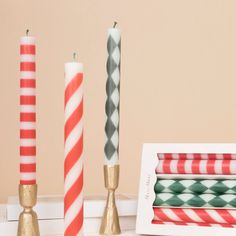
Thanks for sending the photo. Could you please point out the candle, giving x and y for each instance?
(195, 215)
(73, 162)
(113, 97)
(27, 111)
(210, 167)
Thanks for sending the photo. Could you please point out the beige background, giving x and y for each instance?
(178, 80)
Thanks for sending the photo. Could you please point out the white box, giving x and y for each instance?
(148, 179)
(52, 207)
(50, 214)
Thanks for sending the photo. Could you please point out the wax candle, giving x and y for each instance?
(113, 97)
(73, 162)
(195, 215)
(27, 111)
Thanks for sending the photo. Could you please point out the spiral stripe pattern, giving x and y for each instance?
(73, 163)
(27, 111)
(195, 215)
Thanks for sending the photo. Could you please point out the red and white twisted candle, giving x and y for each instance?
(195, 215)
(73, 162)
(27, 111)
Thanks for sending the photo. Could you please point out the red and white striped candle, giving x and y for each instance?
(73, 162)
(27, 111)
(196, 156)
(195, 215)
(213, 167)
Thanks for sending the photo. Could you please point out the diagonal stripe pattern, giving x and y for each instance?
(73, 162)
(194, 215)
(113, 98)
(197, 186)
(27, 111)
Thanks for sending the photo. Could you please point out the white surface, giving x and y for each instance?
(56, 226)
(51, 207)
(147, 195)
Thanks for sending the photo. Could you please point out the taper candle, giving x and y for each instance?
(213, 167)
(113, 97)
(195, 215)
(73, 163)
(27, 111)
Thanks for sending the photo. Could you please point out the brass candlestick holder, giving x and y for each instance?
(28, 221)
(110, 222)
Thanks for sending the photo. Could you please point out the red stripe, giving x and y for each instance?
(28, 182)
(227, 216)
(181, 166)
(27, 116)
(27, 66)
(197, 156)
(27, 83)
(210, 166)
(182, 156)
(73, 86)
(28, 167)
(73, 192)
(166, 166)
(27, 100)
(27, 151)
(168, 156)
(227, 156)
(73, 156)
(226, 167)
(205, 216)
(76, 225)
(211, 156)
(196, 166)
(73, 120)
(181, 214)
(27, 134)
(27, 49)
(161, 215)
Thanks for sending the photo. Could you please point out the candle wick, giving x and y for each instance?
(115, 23)
(27, 32)
(75, 56)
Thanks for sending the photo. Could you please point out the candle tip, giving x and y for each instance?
(75, 56)
(27, 32)
(115, 23)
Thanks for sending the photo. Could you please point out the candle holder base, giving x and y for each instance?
(28, 221)
(110, 222)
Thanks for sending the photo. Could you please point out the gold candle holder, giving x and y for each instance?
(110, 222)
(28, 221)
